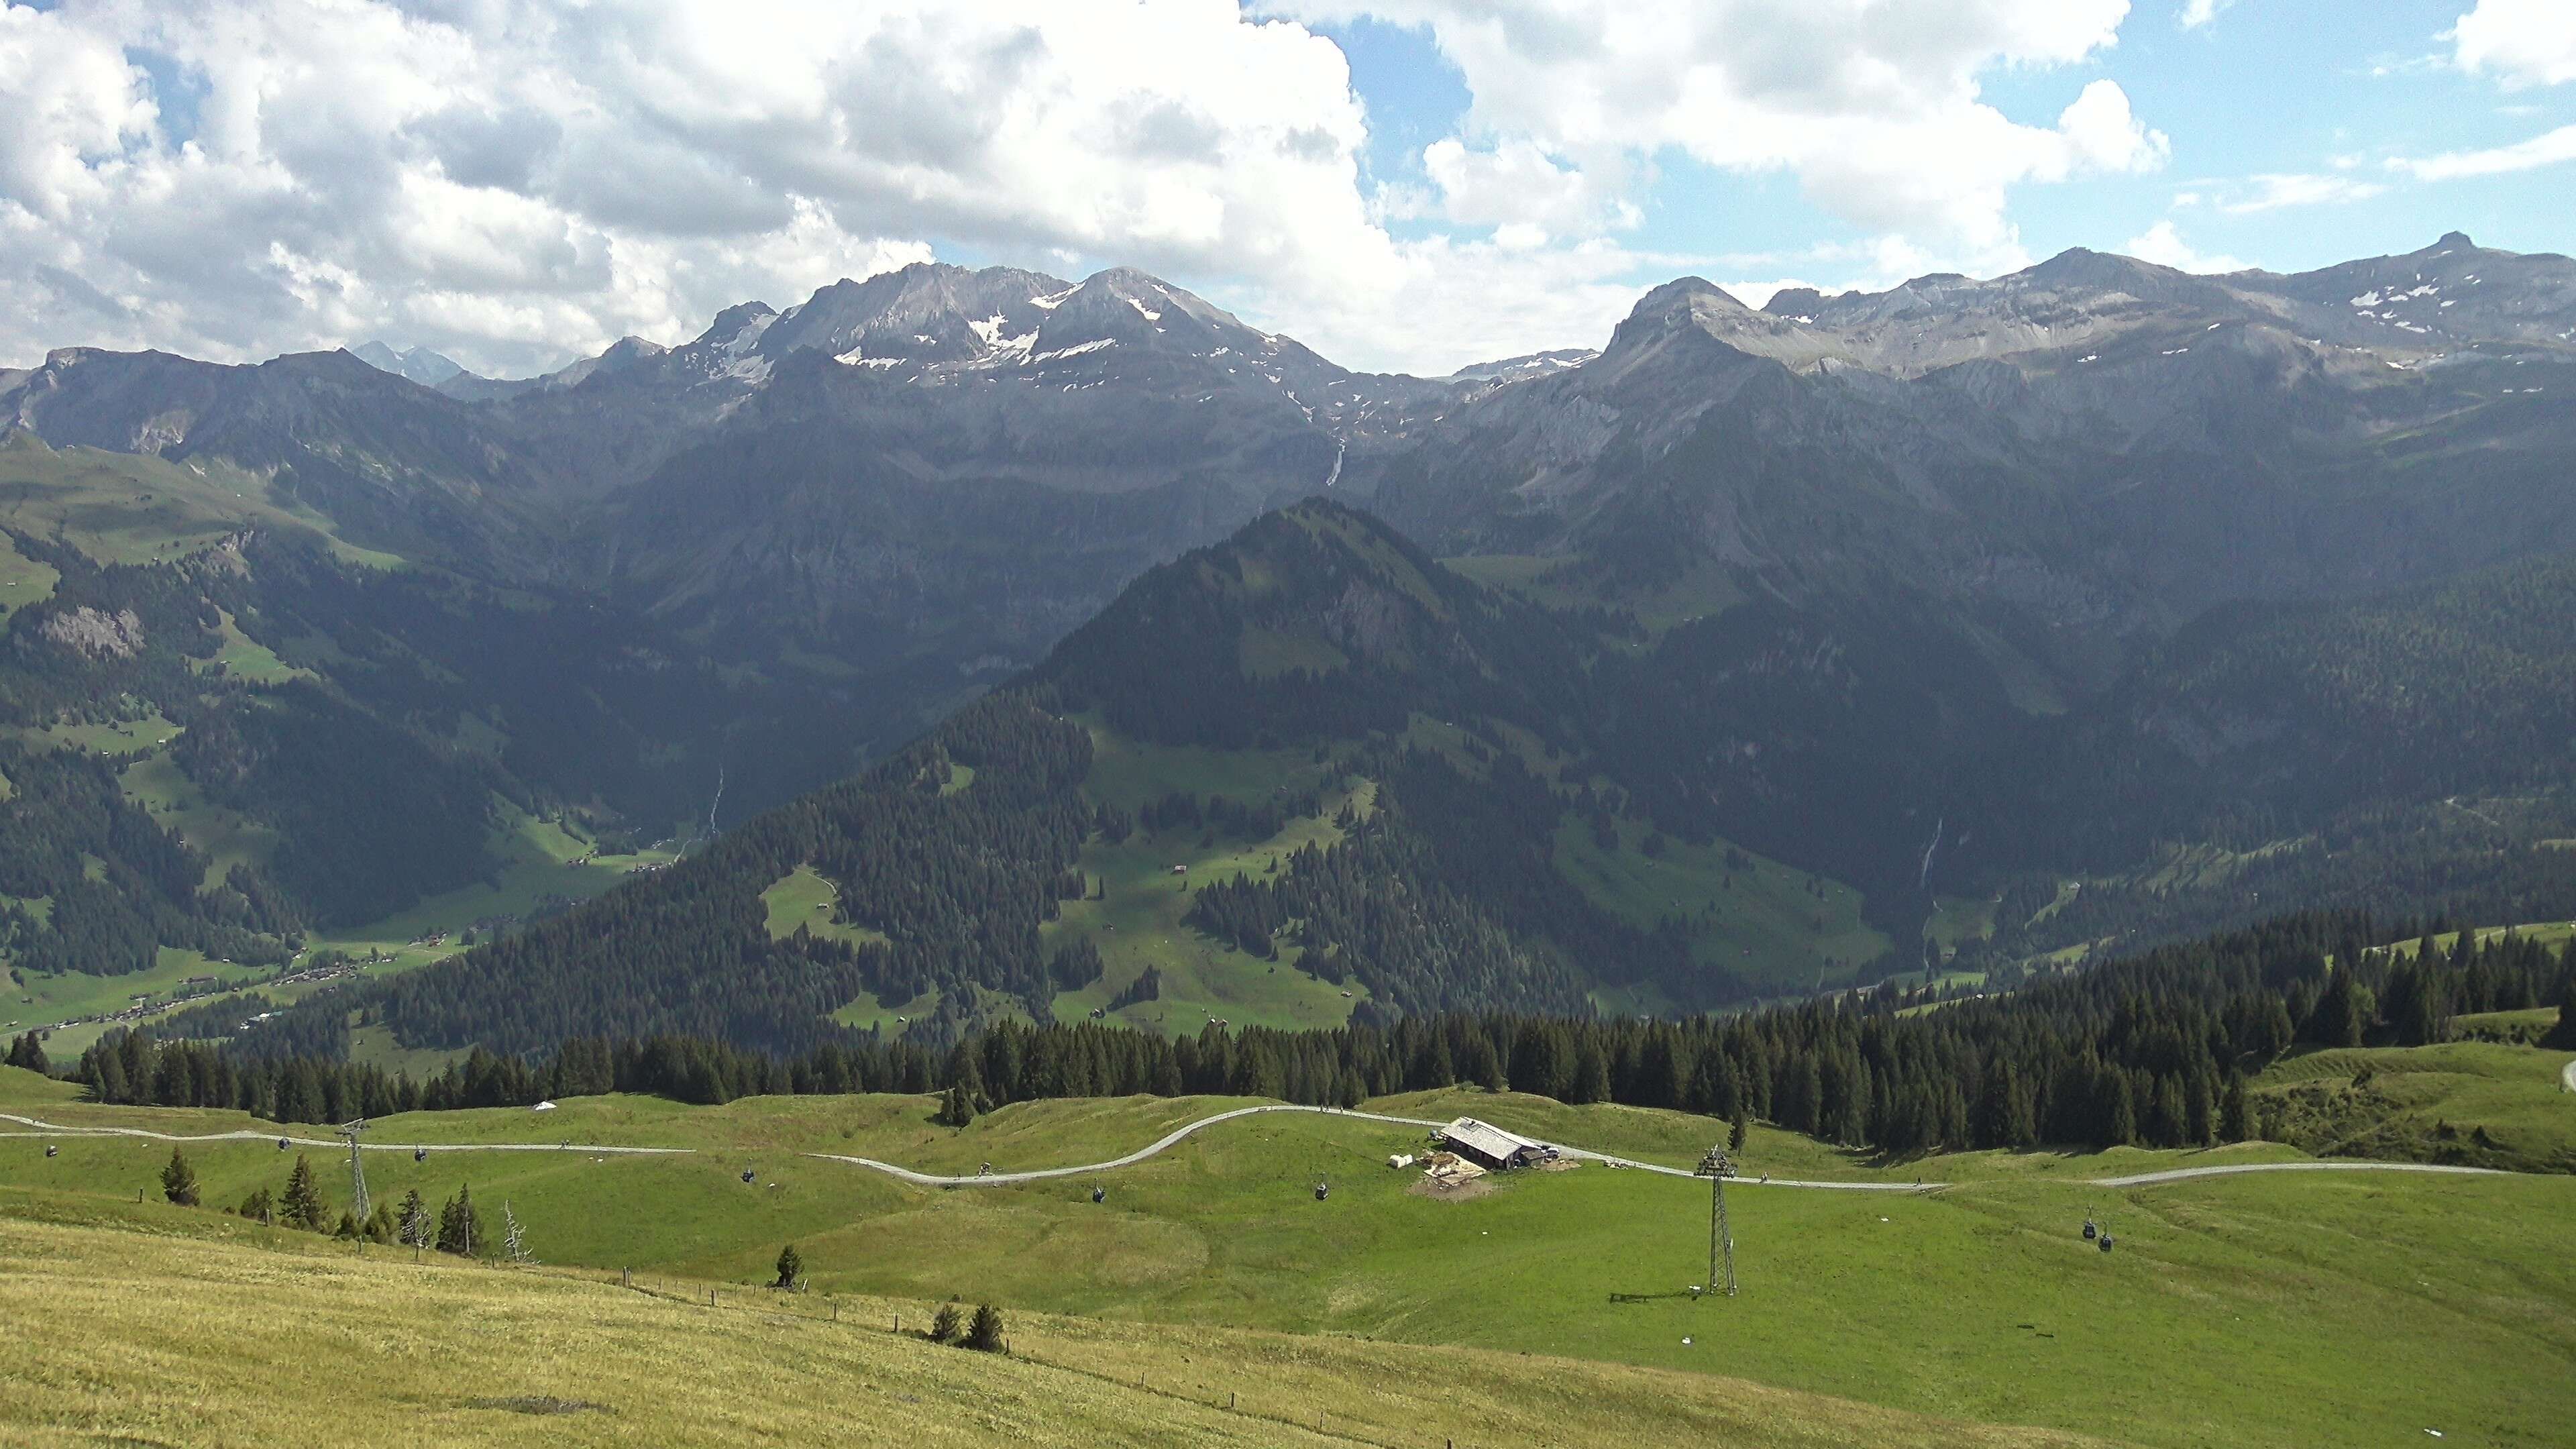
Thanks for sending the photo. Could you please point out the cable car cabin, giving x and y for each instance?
(281, 1144)
(51, 1150)
(1492, 1148)
(748, 1174)
(2089, 1230)
(1323, 1190)
(420, 1154)
(1099, 1194)
(2106, 1242)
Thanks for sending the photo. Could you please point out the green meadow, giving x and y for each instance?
(134, 508)
(247, 1333)
(2243, 1309)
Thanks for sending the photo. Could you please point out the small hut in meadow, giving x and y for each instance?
(1491, 1147)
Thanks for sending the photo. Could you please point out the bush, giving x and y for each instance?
(985, 1334)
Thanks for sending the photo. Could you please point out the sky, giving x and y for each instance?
(1404, 185)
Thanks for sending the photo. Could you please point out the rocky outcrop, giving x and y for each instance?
(94, 633)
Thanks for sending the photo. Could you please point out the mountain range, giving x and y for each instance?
(1972, 620)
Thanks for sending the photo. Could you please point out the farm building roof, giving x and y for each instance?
(1486, 1142)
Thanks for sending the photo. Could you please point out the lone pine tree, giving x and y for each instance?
(414, 1231)
(302, 1206)
(179, 1180)
(791, 1266)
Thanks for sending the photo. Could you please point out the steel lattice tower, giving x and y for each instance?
(358, 1205)
(1721, 1237)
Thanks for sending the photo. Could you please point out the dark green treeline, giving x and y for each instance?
(2153, 1050)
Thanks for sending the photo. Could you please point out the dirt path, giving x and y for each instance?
(1179, 1134)
(48, 1129)
(1174, 1137)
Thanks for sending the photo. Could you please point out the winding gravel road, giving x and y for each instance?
(1169, 1139)
(48, 1129)
(1178, 1134)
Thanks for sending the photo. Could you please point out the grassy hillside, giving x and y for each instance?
(248, 1335)
(2461, 1101)
(387, 751)
(537, 865)
(2236, 1310)
(133, 508)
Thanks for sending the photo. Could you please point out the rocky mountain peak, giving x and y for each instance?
(733, 321)
(421, 365)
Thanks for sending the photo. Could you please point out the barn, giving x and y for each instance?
(1491, 1147)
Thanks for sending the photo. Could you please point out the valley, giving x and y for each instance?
(1794, 736)
(1425, 726)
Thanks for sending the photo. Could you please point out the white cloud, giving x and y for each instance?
(2275, 190)
(2519, 42)
(506, 179)
(2164, 246)
(1876, 106)
(511, 180)
(2197, 13)
(2550, 148)
(1518, 184)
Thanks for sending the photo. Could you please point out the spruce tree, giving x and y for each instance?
(2236, 1114)
(2562, 1037)
(1591, 1076)
(985, 1334)
(302, 1205)
(2120, 1121)
(791, 1266)
(1735, 1133)
(460, 1226)
(414, 1229)
(29, 1052)
(946, 1324)
(179, 1180)
(2021, 1115)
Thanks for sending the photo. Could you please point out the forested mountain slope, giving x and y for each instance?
(1311, 774)
(1778, 649)
(226, 728)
